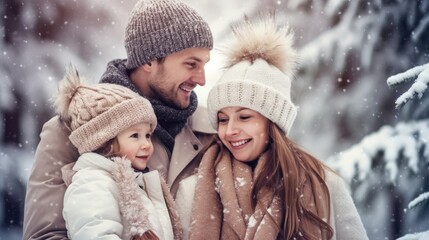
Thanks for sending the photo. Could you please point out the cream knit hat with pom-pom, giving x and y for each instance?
(99, 112)
(261, 65)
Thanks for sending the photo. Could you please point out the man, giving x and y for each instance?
(167, 45)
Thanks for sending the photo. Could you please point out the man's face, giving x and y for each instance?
(173, 80)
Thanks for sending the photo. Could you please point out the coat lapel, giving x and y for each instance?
(185, 149)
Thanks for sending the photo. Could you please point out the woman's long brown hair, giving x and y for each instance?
(286, 175)
(291, 168)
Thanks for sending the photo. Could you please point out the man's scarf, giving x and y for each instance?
(170, 120)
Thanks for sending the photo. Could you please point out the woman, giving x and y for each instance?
(253, 182)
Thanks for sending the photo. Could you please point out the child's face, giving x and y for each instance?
(135, 143)
(244, 132)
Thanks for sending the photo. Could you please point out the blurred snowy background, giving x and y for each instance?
(347, 110)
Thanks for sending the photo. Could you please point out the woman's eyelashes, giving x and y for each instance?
(222, 120)
(245, 117)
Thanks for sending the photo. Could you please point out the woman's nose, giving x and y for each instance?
(232, 129)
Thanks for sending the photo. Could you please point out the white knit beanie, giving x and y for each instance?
(99, 112)
(261, 65)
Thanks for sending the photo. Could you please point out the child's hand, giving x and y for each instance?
(149, 235)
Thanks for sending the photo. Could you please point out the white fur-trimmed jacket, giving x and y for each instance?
(101, 188)
(45, 186)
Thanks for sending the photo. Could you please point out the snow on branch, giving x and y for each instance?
(421, 235)
(334, 6)
(404, 140)
(421, 76)
(419, 200)
(415, 236)
(423, 25)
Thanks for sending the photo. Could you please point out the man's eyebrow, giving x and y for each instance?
(197, 59)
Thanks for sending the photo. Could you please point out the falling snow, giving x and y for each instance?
(347, 113)
(239, 182)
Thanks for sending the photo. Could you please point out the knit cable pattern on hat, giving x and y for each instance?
(88, 102)
(97, 113)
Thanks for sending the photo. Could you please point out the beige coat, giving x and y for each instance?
(344, 218)
(45, 188)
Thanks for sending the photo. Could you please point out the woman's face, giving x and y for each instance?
(244, 132)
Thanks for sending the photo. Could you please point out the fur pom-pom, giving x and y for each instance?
(262, 39)
(66, 90)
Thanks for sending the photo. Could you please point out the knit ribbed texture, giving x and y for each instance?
(260, 66)
(99, 112)
(108, 122)
(257, 86)
(157, 28)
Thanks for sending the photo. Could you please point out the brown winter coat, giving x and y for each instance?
(45, 187)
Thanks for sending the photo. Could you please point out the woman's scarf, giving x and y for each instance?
(222, 204)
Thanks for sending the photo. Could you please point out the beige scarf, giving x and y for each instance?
(222, 204)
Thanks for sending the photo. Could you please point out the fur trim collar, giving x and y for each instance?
(133, 212)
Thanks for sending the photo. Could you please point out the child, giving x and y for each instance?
(111, 194)
(253, 182)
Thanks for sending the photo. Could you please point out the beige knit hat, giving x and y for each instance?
(99, 112)
(157, 28)
(261, 65)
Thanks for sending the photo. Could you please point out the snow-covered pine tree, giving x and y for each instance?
(348, 49)
(341, 89)
(389, 169)
(420, 75)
